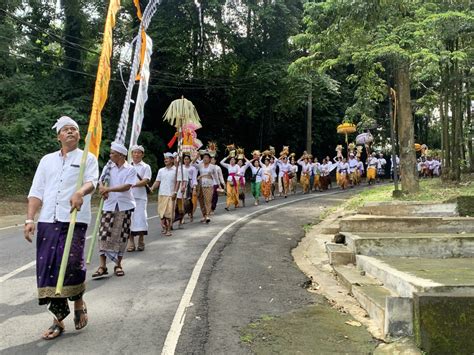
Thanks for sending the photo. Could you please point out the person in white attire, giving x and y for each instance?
(139, 225)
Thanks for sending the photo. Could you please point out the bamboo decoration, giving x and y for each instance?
(181, 112)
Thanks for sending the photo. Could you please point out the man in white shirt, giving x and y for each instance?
(54, 192)
(115, 186)
(372, 162)
(167, 183)
(353, 172)
(381, 162)
(139, 225)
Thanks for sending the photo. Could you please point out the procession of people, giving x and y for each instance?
(186, 180)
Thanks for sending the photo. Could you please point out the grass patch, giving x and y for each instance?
(307, 227)
(432, 190)
(247, 338)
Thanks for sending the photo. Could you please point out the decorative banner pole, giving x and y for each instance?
(139, 57)
(181, 112)
(94, 134)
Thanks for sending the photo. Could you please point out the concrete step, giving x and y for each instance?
(388, 224)
(330, 229)
(339, 254)
(428, 245)
(409, 208)
(349, 276)
(407, 275)
(372, 299)
(391, 313)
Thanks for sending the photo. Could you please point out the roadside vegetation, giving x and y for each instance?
(431, 190)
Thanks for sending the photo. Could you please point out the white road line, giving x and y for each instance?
(33, 263)
(17, 271)
(15, 226)
(21, 225)
(174, 333)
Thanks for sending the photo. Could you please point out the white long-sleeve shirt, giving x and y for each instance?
(283, 167)
(207, 175)
(233, 170)
(305, 167)
(55, 181)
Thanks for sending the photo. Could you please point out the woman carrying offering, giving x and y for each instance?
(232, 182)
(256, 179)
(206, 180)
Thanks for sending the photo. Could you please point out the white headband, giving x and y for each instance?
(64, 121)
(119, 148)
(138, 147)
(168, 155)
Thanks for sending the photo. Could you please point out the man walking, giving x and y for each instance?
(167, 184)
(139, 225)
(54, 192)
(117, 211)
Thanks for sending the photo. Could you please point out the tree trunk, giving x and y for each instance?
(72, 32)
(406, 131)
(469, 124)
(457, 121)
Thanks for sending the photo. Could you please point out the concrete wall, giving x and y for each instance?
(444, 323)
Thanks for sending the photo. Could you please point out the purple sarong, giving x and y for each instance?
(50, 241)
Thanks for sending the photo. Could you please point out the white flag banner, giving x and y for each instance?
(142, 95)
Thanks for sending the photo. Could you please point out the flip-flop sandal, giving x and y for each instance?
(141, 247)
(77, 317)
(101, 272)
(168, 234)
(118, 271)
(131, 249)
(55, 330)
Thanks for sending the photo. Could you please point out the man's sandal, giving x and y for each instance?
(101, 271)
(131, 248)
(141, 247)
(54, 331)
(77, 317)
(118, 271)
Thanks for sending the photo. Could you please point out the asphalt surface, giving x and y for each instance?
(248, 273)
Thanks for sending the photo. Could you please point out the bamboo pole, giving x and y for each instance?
(72, 223)
(96, 230)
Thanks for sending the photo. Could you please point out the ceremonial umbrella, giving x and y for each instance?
(346, 128)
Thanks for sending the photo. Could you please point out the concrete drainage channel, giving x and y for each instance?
(410, 266)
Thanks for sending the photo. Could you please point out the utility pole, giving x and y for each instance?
(309, 122)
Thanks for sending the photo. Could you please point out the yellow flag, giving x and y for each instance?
(102, 80)
(143, 40)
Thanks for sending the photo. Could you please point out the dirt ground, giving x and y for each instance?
(315, 329)
(15, 205)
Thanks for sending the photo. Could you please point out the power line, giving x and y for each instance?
(77, 46)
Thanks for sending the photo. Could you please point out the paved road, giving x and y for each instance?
(174, 295)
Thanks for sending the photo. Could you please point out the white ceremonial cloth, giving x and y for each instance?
(139, 217)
